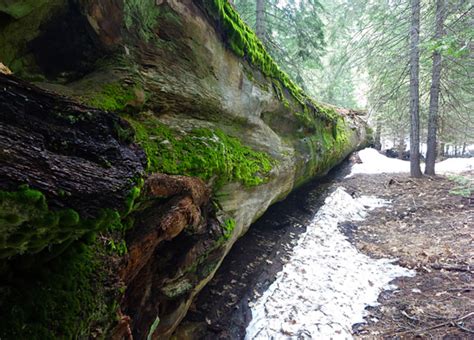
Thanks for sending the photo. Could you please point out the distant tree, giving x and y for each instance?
(291, 31)
(434, 91)
(260, 19)
(415, 170)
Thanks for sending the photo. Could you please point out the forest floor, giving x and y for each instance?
(427, 227)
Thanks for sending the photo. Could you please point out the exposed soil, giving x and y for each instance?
(430, 230)
(426, 228)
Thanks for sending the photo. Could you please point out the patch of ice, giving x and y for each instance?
(375, 163)
(324, 288)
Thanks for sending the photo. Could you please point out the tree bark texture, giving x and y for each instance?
(72, 153)
(434, 92)
(415, 170)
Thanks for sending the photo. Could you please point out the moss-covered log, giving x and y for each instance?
(129, 96)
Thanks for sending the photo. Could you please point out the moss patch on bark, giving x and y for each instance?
(67, 298)
(208, 154)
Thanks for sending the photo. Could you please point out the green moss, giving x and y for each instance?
(328, 144)
(204, 153)
(245, 43)
(112, 97)
(28, 225)
(228, 228)
(46, 296)
(65, 299)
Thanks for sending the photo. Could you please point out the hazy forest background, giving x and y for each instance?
(356, 54)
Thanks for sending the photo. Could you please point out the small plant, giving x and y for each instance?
(464, 186)
(119, 248)
(228, 228)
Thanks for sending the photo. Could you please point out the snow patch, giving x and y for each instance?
(455, 165)
(327, 284)
(375, 163)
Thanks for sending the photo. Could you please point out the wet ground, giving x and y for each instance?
(426, 227)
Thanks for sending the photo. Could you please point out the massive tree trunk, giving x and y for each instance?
(434, 92)
(153, 137)
(415, 170)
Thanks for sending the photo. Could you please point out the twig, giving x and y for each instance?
(409, 316)
(464, 328)
(453, 268)
(414, 202)
(446, 323)
(461, 289)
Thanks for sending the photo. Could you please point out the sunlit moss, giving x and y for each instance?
(111, 97)
(245, 43)
(208, 154)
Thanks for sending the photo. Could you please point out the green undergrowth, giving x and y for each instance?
(209, 154)
(66, 298)
(464, 186)
(245, 43)
(28, 225)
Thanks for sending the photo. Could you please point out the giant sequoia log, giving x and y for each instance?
(155, 133)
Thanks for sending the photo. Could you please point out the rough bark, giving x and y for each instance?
(74, 154)
(434, 92)
(415, 170)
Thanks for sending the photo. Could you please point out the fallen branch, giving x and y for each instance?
(452, 322)
(456, 268)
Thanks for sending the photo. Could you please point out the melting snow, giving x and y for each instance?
(327, 283)
(374, 163)
(324, 288)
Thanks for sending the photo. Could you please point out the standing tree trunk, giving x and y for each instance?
(401, 144)
(378, 131)
(415, 170)
(434, 92)
(260, 19)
